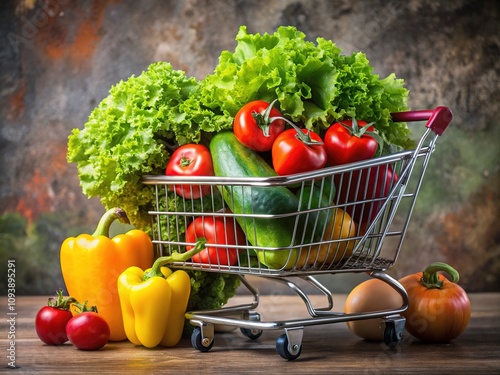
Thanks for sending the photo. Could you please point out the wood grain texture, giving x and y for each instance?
(325, 349)
(60, 58)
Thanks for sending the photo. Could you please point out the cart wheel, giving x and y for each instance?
(252, 334)
(392, 333)
(200, 343)
(282, 348)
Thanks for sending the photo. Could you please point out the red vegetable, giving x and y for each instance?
(439, 309)
(190, 160)
(87, 330)
(257, 124)
(371, 184)
(349, 141)
(51, 320)
(298, 150)
(217, 230)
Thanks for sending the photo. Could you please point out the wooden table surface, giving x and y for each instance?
(326, 349)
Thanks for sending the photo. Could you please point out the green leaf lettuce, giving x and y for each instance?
(132, 131)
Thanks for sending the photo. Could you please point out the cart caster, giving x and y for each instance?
(203, 344)
(252, 333)
(289, 345)
(393, 331)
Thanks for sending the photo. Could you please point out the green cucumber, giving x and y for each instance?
(233, 159)
(314, 195)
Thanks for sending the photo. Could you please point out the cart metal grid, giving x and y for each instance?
(370, 206)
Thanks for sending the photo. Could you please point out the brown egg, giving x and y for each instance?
(371, 295)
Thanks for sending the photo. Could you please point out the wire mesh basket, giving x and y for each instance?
(348, 218)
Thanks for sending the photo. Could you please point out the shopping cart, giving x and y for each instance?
(369, 208)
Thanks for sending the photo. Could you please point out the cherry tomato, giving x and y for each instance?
(190, 160)
(297, 152)
(50, 325)
(257, 124)
(51, 320)
(88, 331)
(217, 230)
(350, 141)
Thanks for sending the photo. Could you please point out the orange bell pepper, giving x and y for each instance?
(91, 265)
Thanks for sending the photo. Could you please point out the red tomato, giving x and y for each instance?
(217, 230)
(348, 142)
(88, 331)
(295, 152)
(371, 184)
(191, 160)
(51, 320)
(439, 309)
(50, 325)
(256, 125)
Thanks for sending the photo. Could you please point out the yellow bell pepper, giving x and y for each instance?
(154, 301)
(91, 265)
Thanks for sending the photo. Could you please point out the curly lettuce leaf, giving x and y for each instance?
(133, 130)
(314, 83)
(129, 134)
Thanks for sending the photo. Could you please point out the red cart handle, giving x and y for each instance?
(437, 119)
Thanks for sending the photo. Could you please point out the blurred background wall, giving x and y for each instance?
(58, 59)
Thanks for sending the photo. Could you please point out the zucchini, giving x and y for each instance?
(233, 159)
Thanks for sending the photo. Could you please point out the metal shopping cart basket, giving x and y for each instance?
(371, 202)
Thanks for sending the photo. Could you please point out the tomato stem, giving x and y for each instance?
(61, 302)
(264, 120)
(185, 162)
(174, 257)
(430, 276)
(358, 131)
(84, 308)
(303, 137)
(107, 219)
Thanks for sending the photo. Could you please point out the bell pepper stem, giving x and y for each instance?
(107, 219)
(174, 257)
(430, 276)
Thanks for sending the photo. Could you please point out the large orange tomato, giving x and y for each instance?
(439, 309)
(371, 295)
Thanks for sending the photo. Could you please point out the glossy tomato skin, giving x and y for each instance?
(247, 130)
(190, 160)
(216, 230)
(436, 315)
(50, 325)
(88, 331)
(343, 147)
(290, 155)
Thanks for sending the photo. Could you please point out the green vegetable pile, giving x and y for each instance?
(314, 83)
(133, 131)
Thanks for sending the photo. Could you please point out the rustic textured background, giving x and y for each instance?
(58, 59)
